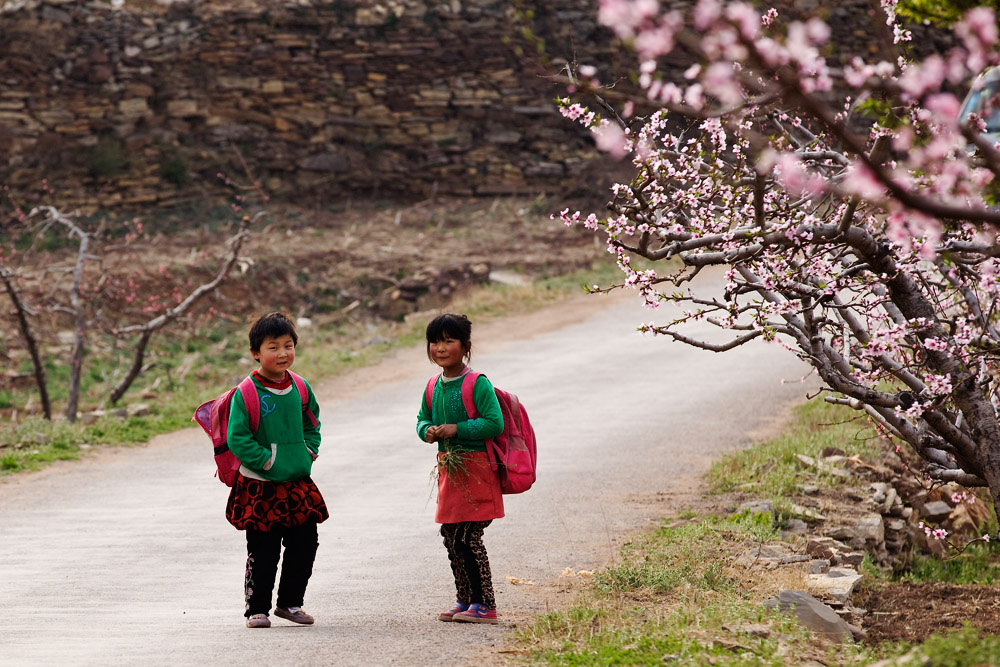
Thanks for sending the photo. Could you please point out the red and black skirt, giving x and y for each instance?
(260, 505)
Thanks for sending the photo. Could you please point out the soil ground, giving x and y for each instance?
(911, 612)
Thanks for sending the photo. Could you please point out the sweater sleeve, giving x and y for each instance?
(241, 440)
(490, 420)
(310, 433)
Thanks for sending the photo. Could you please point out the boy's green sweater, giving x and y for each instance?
(447, 408)
(279, 451)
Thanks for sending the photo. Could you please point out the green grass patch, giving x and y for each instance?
(978, 564)
(670, 601)
(771, 469)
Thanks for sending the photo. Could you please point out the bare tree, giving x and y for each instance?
(21, 312)
(147, 329)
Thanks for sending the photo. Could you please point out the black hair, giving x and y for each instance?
(450, 325)
(272, 325)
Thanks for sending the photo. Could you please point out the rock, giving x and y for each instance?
(505, 277)
(88, 418)
(332, 162)
(795, 527)
(763, 555)
(182, 108)
(867, 532)
(837, 583)
(805, 513)
(807, 461)
(936, 510)
(755, 506)
(818, 566)
(812, 614)
(138, 410)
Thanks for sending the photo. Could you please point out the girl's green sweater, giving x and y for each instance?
(447, 408)
(279, 451)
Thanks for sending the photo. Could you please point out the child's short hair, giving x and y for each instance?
(450, 325)
(272, 325)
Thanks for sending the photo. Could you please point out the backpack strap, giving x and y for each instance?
(468, 386)
(468, 400)
(251, 401)
(300, 386)
(429, 392)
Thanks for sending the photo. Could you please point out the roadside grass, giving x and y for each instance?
(672, 597)
(188, 367)
(772, 470)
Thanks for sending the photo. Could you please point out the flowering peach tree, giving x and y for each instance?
(850, 208)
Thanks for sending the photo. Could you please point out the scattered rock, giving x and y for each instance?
(138, 410)
(812, 614)
(755, 506)
(837, 584)
(937, 510)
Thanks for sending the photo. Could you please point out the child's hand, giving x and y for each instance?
(314, 455)
(445, 431)
(430, 435)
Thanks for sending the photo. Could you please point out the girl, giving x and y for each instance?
(469, 496)
(274, 499)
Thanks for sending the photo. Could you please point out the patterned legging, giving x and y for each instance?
(469, 562)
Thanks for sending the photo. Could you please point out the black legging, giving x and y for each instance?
(469, 562)
(263, 551)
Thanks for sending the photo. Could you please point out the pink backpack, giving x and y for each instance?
(513, 452)
(213, 416)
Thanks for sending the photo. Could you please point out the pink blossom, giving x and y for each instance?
(707, 12)
(746, 19)
(861, 182)
(920, 78)
(720, 83)
(610, 138)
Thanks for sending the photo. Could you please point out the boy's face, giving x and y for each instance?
(275, 357)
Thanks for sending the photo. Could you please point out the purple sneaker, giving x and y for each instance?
(476, 613)
(457, 609)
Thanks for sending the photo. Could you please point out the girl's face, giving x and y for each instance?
(275, 357)
(449, 354)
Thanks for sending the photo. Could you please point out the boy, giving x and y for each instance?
(274, 499)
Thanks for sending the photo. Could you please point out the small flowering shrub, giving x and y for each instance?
(864, 244)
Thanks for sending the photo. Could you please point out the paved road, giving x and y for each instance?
(126, 558)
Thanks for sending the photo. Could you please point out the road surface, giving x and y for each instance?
(125, 558)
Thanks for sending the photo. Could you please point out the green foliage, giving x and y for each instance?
(978, 564)
(967, 647)
(940, 12)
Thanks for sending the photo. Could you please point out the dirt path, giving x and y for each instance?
(126, 558)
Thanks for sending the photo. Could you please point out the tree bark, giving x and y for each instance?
(29, 341)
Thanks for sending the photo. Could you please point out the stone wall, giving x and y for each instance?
(322, 101)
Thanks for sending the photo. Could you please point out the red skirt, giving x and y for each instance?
(468, 489)
(261, 505)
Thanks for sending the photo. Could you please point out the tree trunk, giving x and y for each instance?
(30, 343)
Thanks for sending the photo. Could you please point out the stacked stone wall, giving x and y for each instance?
(320, 100)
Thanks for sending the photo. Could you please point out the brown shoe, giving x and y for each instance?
(258, 621)
(297, 616)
